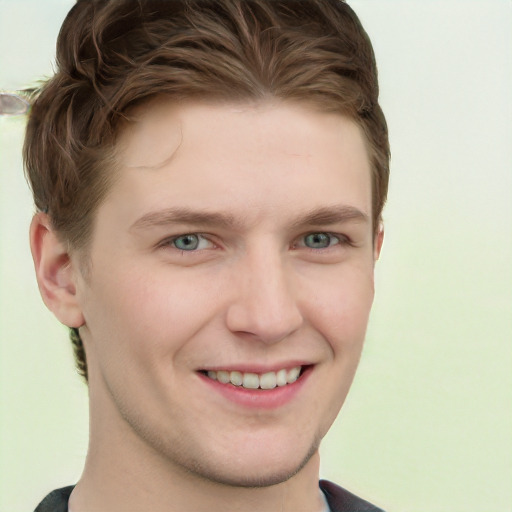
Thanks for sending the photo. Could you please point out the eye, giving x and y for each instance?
(190, 242)
(319, 240)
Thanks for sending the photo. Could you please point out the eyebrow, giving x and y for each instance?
(326, 215)
(332, 215)
(186, 216)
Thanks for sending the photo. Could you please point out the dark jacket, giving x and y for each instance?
(338, 498)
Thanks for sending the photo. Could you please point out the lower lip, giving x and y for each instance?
(259, 398)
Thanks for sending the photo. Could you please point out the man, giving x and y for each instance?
(209, 178)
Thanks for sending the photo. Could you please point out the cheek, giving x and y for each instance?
(147, 315)
(342, 307)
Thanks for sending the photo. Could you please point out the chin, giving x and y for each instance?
(263, 473)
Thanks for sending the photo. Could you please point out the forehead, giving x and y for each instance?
(268, 156)
(158, 126)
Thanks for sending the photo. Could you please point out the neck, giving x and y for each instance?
(110, 485)
(123, 474)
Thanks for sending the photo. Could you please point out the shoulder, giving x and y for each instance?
(56, 501)
(341, 500)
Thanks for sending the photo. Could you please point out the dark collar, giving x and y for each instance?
(339, 500)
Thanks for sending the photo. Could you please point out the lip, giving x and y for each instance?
(259, 398)
(258, 368)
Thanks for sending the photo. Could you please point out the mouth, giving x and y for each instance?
(250, 380)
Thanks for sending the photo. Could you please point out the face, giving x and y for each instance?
(230, 283)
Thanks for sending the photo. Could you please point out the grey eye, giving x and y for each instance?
(12, 105)
(186, 242)
(318, 240)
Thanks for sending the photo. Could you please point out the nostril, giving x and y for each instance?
(263, 322)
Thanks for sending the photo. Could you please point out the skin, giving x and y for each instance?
(254, 294)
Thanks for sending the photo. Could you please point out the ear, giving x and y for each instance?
(379, 239)
(55, 272)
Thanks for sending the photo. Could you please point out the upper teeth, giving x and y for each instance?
(249, 380)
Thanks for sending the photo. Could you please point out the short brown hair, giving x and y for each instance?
(115, 54)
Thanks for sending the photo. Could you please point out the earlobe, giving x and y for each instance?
(54, 272)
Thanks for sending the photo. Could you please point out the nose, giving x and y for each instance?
(265, 305)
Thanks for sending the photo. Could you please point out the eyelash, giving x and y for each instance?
(171, 241)
(342, 240)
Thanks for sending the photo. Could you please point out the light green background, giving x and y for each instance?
(427, 426)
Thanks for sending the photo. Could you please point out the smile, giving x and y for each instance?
(248, 380)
